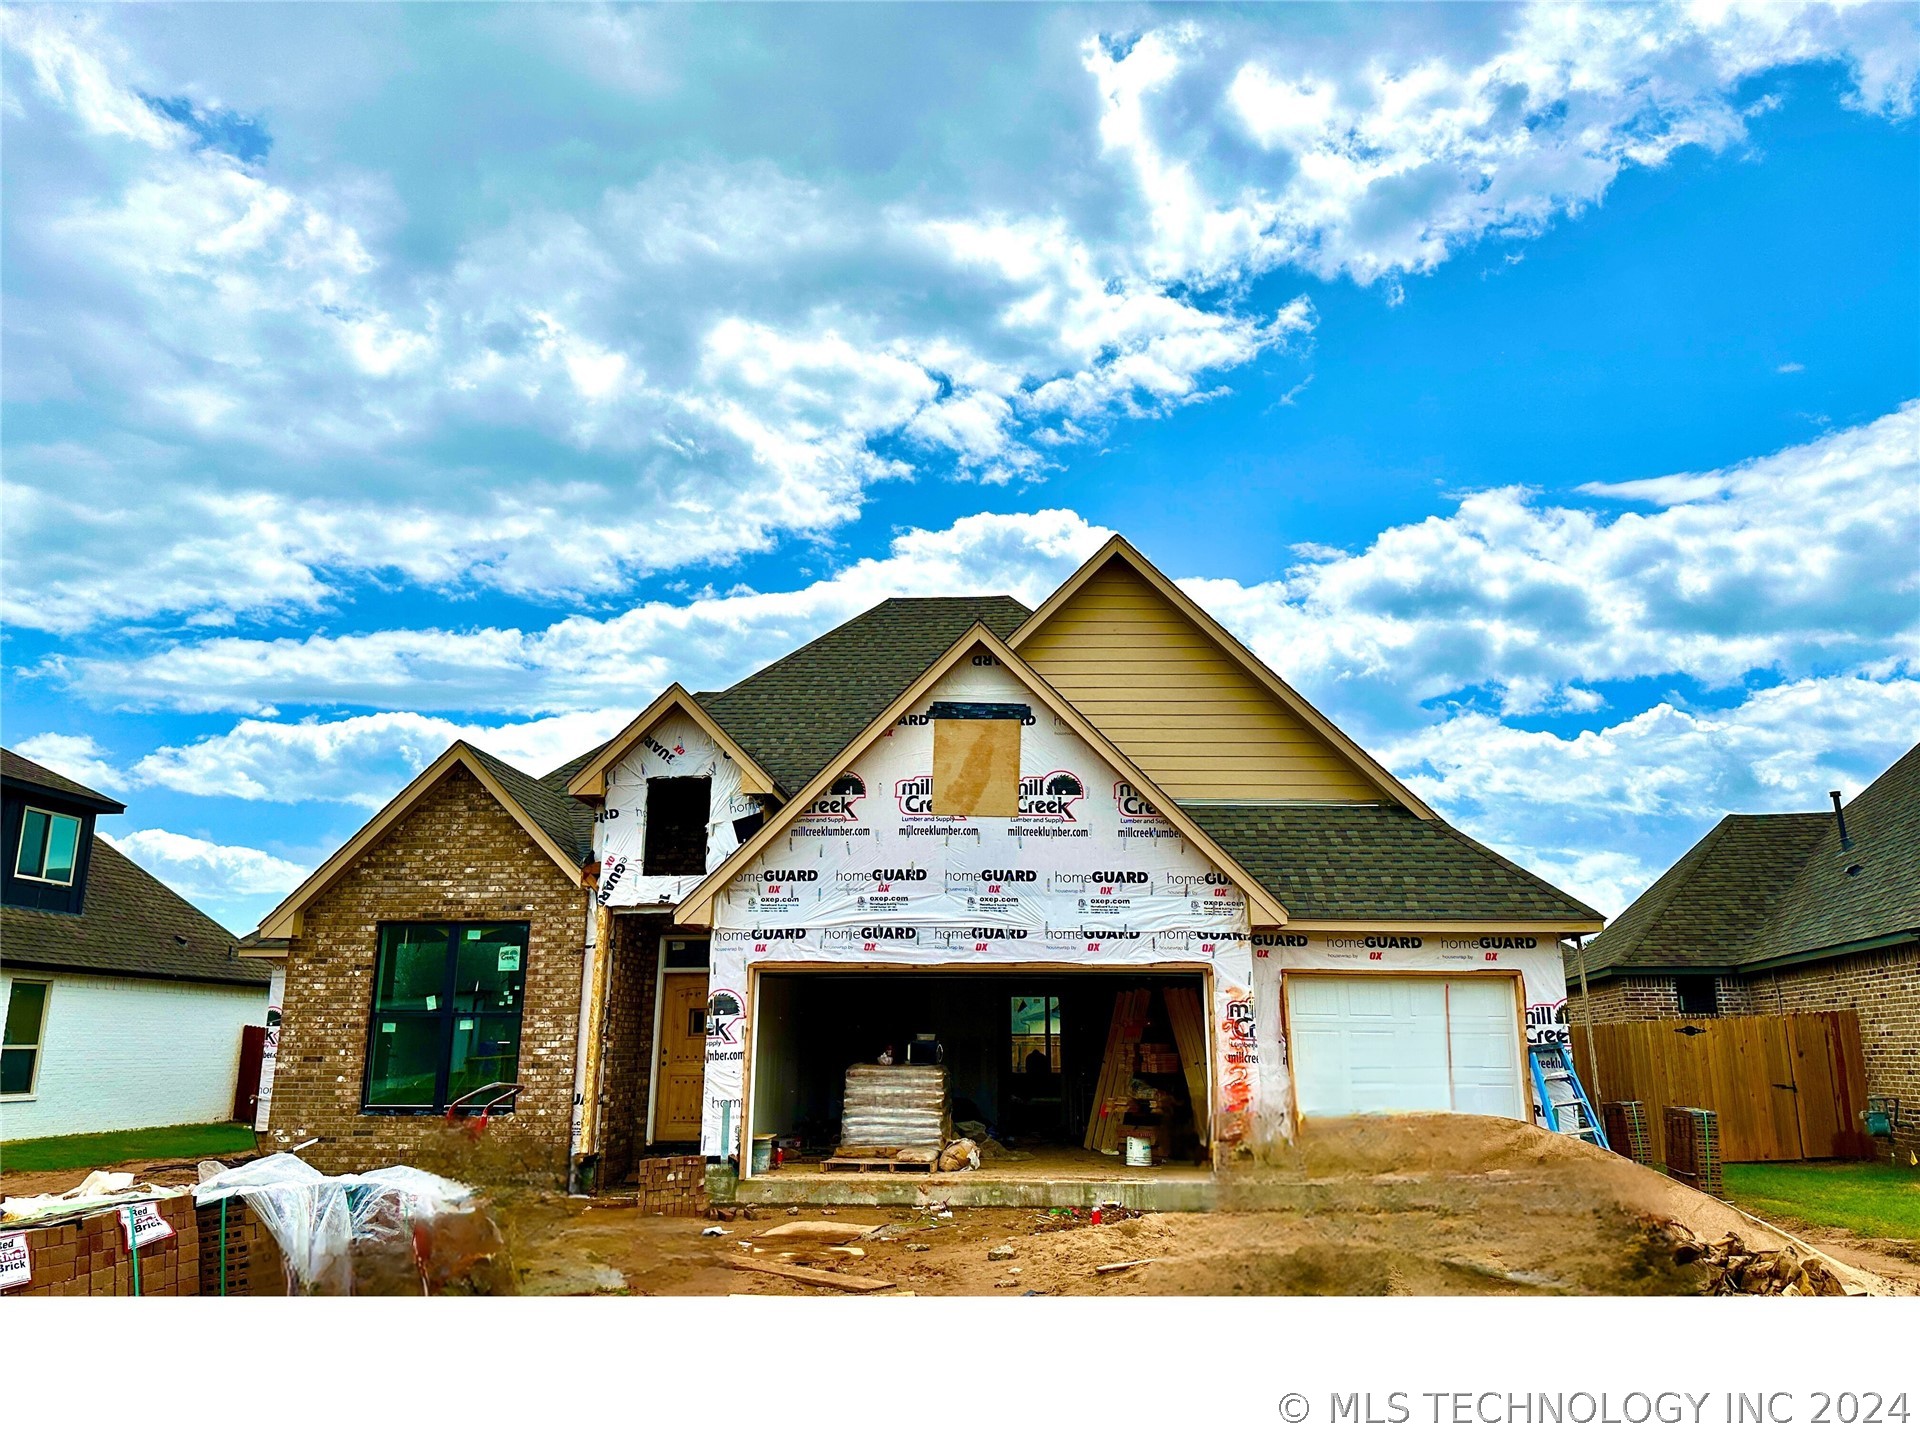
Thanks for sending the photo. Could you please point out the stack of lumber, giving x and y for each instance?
(1186, 1014)
(894, 1107)
(1155, 1059)
(1113, 1090)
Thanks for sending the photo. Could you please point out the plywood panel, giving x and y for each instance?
(976, 767)
(1160, 688)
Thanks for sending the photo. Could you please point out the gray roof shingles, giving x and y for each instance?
(129, 924)
(1380, 862)
(1760, 889)
(17, 767)
(799, 712)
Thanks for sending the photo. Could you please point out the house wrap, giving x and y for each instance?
(951, 823)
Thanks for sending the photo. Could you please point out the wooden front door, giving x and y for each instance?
(683, 1055)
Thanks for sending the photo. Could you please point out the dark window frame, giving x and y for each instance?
(1049, 1035)
(660, 851)
(1687, 993)
(446, 1011)
(39, 1043)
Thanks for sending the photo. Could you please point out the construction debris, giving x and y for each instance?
(1731, 1268)
(828, 1278)
(961, 1155)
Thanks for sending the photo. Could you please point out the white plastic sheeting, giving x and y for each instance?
(1087, 874)
(676, 747)
(317, 1218)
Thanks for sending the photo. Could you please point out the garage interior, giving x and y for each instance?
(1032, 1060)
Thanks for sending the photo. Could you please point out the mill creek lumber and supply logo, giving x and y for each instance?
(1547, 1023)
(1133, 807)
(724, 1011)
(840, 798)
(1042, 797)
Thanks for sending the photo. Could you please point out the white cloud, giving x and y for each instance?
(78, 757)
(707, 357)
(584, 662)
(362, 761)
(207, 873)
(1754, 568)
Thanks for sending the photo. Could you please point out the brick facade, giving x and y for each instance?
(457, 856)
(1882, 986)
(627, 1070)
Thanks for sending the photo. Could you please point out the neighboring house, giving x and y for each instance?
(1772, 914)
(951, 816)
(125, 1006)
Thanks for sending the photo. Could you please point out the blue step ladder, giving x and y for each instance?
(1562, 1098)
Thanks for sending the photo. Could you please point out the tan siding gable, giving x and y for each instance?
(1180, 707)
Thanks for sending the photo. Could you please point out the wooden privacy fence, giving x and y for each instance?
(1786, 1087)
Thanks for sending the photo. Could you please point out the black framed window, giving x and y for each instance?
(25, 1024)
(676, 839)
(447, 1000)
(1697, 995)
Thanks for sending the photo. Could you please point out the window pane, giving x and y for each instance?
(404, 1061)
(25, 1005)
(63, 839)
(1036, 1033)
(490, 970)
(486, 1048)
(16, 1071)
(413, 967)
(33, 843)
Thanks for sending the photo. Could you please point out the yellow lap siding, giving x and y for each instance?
(1184, 710)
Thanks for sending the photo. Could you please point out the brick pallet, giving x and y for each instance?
(673, 1185)
(89, 1256)
(1693, 1148)
(252, 1259)
(1627, 1132)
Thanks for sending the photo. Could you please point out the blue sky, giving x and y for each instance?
(1537, 389)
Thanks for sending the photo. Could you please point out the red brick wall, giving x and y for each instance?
(459, 856)
(633, 954)
(1617, 1001)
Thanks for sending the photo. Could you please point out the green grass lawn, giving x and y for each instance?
(102, 1152)
(1869, 1198)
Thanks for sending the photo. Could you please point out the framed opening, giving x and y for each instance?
(676, 839)
(976, 758)
(446, 1014)
(25, 1026)
(1697, 995)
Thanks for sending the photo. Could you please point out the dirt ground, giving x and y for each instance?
(1416, 1206)
(1430, 1205)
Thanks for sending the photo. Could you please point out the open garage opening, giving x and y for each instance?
(1049, 1070)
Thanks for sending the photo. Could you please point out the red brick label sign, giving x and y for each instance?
(144, 1225)
(16, 1265)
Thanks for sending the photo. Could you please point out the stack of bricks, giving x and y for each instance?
(1693, 1148)
(89, 1256)
(673, 1185)
(1627, 1133)
(253, 1263)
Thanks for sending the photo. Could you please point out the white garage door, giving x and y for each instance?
(1378, 1045)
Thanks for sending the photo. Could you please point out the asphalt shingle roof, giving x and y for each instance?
(18, 767)
(1763, 888)
(567, 822)
(799, 712)
(1380, 862)
(130, 924)
(1827, 905)
(1707, 909)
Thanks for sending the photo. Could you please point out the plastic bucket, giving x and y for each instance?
(1139, 1151)
(762, 1154)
